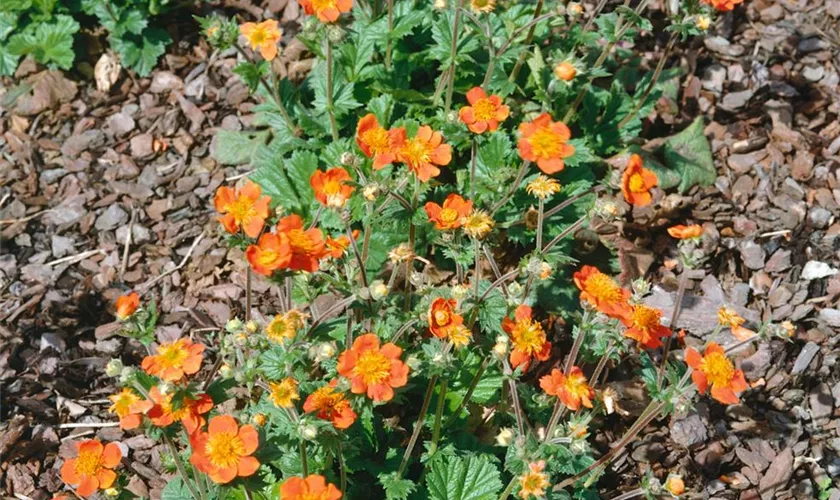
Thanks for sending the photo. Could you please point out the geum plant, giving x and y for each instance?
(413, 350)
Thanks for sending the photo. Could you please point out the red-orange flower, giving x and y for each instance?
(723, 5)
(337, 246)
(331, 187)
(245, 209)
(528, 340)
(644, 326)
(129, 407)
(307, 245)
(272, 252)
(373, 370)
(224, 451)
(484, 113)
(423, 153)
(715, 369)
(313, 487)
(729, 317)
(442, 316)
(683, 232)
(545, 142)
(127, 305)
(637, 181)
(449, 215)
(263, 36)
(91, 470)
(375, 142)
(326, 10)
(331, 405)
(573, 389)
(174, 360)
(190, 411)
(602, 292)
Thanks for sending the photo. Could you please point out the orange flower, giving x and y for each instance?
(723, 5)
(190, 412)
(602, 292)
(450, 214)
(527, 338)
(308, 246)
(264, 36)
(715, 369)
(373, 370)
(375, 142)
(442, 316)
(327, 11)
(423, 153)
(534, 482)
(129, 407)
(331, 405)
(637, 181)
(224, 451)
(685, 232)
(644, 326)
(174, 360)
(484, 113)
(545, 142)
(127, 305)
(272, 252)
(728, 317)
(245, 208)
(675, 485)
(338, 246)
(331, 188)
(573, 390)
(313, 487)
(91, 470)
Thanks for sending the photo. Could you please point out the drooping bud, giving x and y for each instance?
(504, 437)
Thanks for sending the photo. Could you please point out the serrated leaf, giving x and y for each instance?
(287, 181)
(235, 148)
(442, 50)
(8, 62)
(141, 52)
(582, 156)
(175, 489)
(50, 44)
(396, 488)
(252, 73)
(16, 5)
(381, 107)
(463, 478)
(689, 154)
(8, 23)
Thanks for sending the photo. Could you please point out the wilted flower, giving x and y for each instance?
(285, 326)
(259, 419)
(729, 317)
(543, 187)
(703, 22)
(480, 6)
(284, 393)
(371, 191)
(685, 232)
(478, 224)
(401, 253)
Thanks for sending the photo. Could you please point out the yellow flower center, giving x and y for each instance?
(442, 317)
(545, 143)
(326, 398)
(172, 355)
(645, 317)
(718, 369)
(576, 384)
(267, 257)
(258, 36)
(416, 152)
(332, 188)
(459, 335)
(603, 288)
(528, 336)
(377, 139)
(320, 5)
(224, 449)
(122, 402)
(637, 183)
(372, 366)
(88, 463)
(280, 328)
(448, 216)
(300, 241)
(242, 209)
(484, 110)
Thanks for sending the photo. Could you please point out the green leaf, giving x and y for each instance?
(16, 5)
(175, 489)
(141, 52)
(50, 44)
(236, 148)
(442, 34)
(8, 62)
(381, 107)
(395, 487)
(689, 154)
(287, 181)
(8, 23)
(457, 478)
(251, 73)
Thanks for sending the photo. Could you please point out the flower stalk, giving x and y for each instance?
(456, 31)
(330, 107)
(418, 425)
(444, 384)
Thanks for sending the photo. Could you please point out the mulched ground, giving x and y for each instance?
(80, 169)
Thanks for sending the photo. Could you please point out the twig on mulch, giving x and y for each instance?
(148, 285)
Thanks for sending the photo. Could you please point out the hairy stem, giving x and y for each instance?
(508, 489)
(472, 168)
(528, 39)
(519, 176)
(418, 426)
(470, 390)
(390, 29)
(356, 253)
(330, 107)
(176, 457)
(477, 273)
(571, 229)
(450, 87)
(444, 385)
(540, 216)
(248, 293)
(304, 461)
(671, 323)
(649, 89)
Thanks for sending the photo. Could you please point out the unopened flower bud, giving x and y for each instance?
(114, 368)
(258, 419)
(703, 23)
(225, 370)
(335, 34)
(309, 432)
(127, 375)
(234, 325)
(112, 492)
(504, 437)
(565, 71)
(251, 327)
(788, 328)
(378, 290)
(310, 24)
(401, 253)
(413, 362)
(500, 349)
(349, 159)
(460, 291)
(322, 351)
(640, 287)
(240, 339)
(440, 4)
(675, 485)
(515, 289)
(452, 117)
(574, 9)
(545, 271)
(371, 192)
